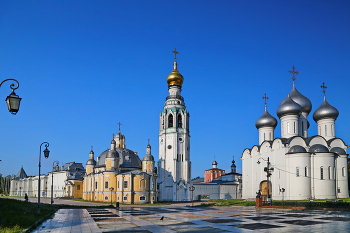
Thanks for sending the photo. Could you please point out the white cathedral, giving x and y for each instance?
(174, 165)
(296, 166)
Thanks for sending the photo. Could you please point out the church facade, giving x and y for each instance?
(174, 165)
(296, 166)
(119, 175)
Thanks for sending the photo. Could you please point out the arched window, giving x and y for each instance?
(325, 130)
(321, 173)
(298, 171)
(143, 184)
(179, 121)
(332, 129)
(329, 173)
(343, 171)
(170, 121)
(287, 127)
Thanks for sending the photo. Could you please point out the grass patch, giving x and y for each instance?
(18, 215)
(229, 202)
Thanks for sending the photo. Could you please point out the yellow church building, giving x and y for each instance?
(119, 175)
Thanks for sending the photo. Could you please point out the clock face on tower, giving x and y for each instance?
(169, 147)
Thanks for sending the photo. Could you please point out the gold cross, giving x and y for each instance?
(175, 52)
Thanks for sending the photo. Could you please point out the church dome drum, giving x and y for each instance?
(318, 148)
(127, 158)
(91, 162)
(325, 111)
(297, 149)
(266, 120)
(288, 107)
(298, 98)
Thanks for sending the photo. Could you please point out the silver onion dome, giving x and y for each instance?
(214, 163)
(325, 111)
(91, 162)
(298, 98)
(266, 120)
(288, 107)
(148, 158)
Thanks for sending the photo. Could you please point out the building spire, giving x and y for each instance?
(324, 87)
(294, 74)
(119, 127)
(265, 101)
(175, 62)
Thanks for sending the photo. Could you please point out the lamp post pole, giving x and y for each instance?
(54, 168)
(111, 189)
(46, 154)
(192, 188)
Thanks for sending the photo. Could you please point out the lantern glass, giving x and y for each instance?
(46, 152)
(13, 101)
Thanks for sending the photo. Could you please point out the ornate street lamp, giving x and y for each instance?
(111, 189)
(46, 154)
(12, 100)
(192, 188)
(54, 168)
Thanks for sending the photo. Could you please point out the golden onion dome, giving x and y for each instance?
(175, 78)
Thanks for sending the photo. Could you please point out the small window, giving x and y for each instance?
(305, 171)
(321, 171)
(125, 198)
(125, 184)
(343, 171)
(106, 184)
(329, 173)
(170, 121)
(142, 198)
(106, 198)
(325, 130)
(297, 171)
(287, 127)
(78, 187)
(179, 121)
(118, 184)
(96, 185)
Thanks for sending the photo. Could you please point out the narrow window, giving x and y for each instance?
(179, 121)
(332, 129)
(287, 127)
(343, 171)
(325, 130)
(329, 173)
(298, 172)
(321, 170)
(302, 129)
(305, 171)
(294, 127)
(95, 185)
(264, 137)
(106, 185)
(142, 184)
(78, 187)
(118, 184)
(125, 184)
(170, 121)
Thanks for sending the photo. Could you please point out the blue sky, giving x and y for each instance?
(85, 65)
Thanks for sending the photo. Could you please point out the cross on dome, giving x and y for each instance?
(119, 126)
(324, 87)
(294, 73)
(265, 100)
(175, 52)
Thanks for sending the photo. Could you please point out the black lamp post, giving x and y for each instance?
(46, 154)
(12, 100)
(54, 168)
(111, 189)
(268, 169)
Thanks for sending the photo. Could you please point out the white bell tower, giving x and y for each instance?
(174, 165)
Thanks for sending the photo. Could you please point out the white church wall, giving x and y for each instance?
(342, 188)
(324, 182)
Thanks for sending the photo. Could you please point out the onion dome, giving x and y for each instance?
(288, 107)
(91, 160)
(175, 78)
(148, 156)
(325, 111)
(266, 120)
(214, 163)
(113, 142)
(298, 98)
(318, 148)
(338, 150)
(297, 149)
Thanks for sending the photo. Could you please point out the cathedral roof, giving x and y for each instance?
(338, 150)
(288, 107)
(266, 120)
(297, 149)
(298, 98)
(317, 148)
(127, 158)
(325, 111)
(21, 174)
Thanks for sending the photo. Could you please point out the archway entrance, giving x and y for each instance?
(266, 188)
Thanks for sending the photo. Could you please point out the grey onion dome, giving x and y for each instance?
(298, 98)
(113, 142)
(91, 162)
(325, 111)
(297, 149)
(338, 150)
(266, 120)
(214, 163)
(318, 148)
(148, 158)
(288, 107)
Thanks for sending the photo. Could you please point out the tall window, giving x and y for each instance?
(294, 127)
(325, 130)
(179, 121)
(332, 129)
(143, 184)
(106, 185)
(118, 184)
(170, 121)
(298, 171)
(321, 171)
(95, 185)
(343, 171)
(125, 184)
(329, 173)
(305, 171)
(302, 129)
(78, 187)
(287, 127)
